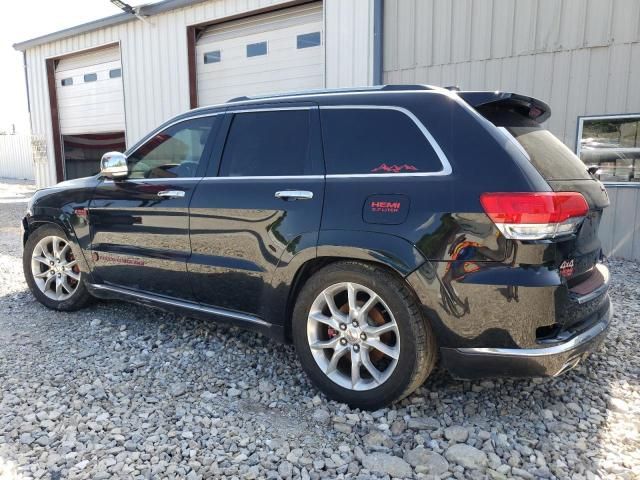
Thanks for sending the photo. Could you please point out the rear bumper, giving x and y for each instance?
(471, 363)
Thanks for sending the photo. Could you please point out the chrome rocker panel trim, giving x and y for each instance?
(197, 310)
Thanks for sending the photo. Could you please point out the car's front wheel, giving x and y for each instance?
(51, 268)
(360, 335)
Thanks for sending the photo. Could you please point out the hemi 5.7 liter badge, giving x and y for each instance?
(391, 209)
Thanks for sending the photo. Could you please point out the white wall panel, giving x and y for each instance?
(348, 43)
(580, 56)
(16, 159)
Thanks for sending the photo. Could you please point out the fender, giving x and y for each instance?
(66, 208)
(394, 252)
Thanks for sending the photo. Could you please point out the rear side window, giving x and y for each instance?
(375, 141)
(272, 143)
(552, 158)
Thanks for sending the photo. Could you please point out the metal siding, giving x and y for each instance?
(567, 51)
(596, 96)
(598, 22)
(348, 43)
(624, 222)
(524, 30)
(461, 30)
(502, 28)
(16, 159)
(605, 232)
(547, 25)
(481, 12)
(580, 56)
(572, 23)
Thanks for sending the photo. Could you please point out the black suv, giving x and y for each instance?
(377, 229)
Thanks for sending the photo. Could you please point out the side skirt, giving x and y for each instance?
(237, 319)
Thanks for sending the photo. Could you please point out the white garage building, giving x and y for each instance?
(102, 85)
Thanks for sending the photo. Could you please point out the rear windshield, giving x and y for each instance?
(549, 155)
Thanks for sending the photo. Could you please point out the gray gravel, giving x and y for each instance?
(122, 391)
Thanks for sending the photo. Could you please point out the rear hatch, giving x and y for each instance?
(519, 118)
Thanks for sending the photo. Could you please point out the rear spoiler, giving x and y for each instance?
(534, 108)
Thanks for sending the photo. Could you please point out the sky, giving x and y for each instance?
(26, 19)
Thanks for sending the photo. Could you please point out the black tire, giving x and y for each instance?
(80, 297)
(417, 347)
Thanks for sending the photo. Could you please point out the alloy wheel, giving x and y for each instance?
(353, 336)
(55, 269)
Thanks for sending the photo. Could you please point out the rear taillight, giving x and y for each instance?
(535, 216)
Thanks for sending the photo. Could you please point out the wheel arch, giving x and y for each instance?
(395, 254)
(63, 221)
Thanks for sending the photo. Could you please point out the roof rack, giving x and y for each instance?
(326, 91)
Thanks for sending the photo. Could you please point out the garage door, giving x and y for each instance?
(90, 109)
(276, 52)
(89, 91)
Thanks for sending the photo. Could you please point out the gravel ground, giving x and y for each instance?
(122, 391)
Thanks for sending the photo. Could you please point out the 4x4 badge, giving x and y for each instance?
(566, 268)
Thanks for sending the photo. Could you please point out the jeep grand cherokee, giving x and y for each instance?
(378, 229)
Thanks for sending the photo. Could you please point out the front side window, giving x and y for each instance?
(375, 141)
(175, 152)
(271, 143)
(611, 143)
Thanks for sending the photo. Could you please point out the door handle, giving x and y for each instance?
(171, 193)
(294, 195)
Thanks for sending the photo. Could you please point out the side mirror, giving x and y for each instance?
(114, 165)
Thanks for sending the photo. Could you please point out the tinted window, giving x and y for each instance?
(212, 57)
(375, 141)
(256, 49)
(307, 40)
(115, 73)
(552, 158)
(90, 77)
(174, 152)
(267, 144)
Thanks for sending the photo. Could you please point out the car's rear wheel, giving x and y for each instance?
(360, 335)
(52, 271)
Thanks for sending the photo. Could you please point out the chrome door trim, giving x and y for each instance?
(294, 194)
(444, 161)
(181, 304)
(171, 193)
(269, 177)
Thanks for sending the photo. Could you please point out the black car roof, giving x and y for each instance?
(366, 94)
